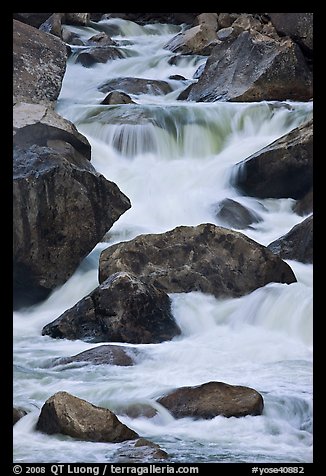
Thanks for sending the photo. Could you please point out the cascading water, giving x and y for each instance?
(174, 160)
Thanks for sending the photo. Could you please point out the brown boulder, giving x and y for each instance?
(18, 413)
(141, 450)
(131, 85)
(88, 57)
(204, 258)
(194, 41)
(66, 414)
(212, 399)
(283, 169)
(39, 64)
(77, 18)
(304, 206)
(121, 309)
(103, 355)
(254, 67)
(117, 97)
(297, 244)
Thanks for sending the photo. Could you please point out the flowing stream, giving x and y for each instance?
(174, 160)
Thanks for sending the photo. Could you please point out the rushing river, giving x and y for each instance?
(174, 160)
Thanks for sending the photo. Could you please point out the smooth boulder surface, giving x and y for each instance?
(235, 214)
(131, 85)
(66, 414)
(117, 97)
(297, 244)
(254, 67)
(305, 205)
(283, 169)
(90, 56)
(212, 399)
(140, 451)
(121, 309)
(39, 64)
(18, 413)
(205, 258)
(62, 208)
(103, 355)
(299, 26)
(194, 41)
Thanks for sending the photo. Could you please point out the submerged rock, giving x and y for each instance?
(297, 244)
(121, 309)
(254, 67)
(204, 258)
(39, 64)
(236, 215)
(66, 414)
(212, 399)
(18, 413)
(117, 97)
(283, 169)
(131, 85)
(103, 355)
(90, 56)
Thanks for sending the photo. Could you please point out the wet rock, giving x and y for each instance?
(142, 450)
(304, 206)
(90, 56)
(121, 309)
(62, 208)
(70, 37)
(66, 414)
(32, 19)
(82, 19)
(145, 18)
(131, 85)
(137, 410)
(101, 39)
(39, 64)
(18, 413)
(254, 67)
(193, 41)
(212, 399)
(204, 258)
(53, 25)
(117, 97)
(297, 244)
(283, 169)
(299, 26)
(103, 355)
(233, 214)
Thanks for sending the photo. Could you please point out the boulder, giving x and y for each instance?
(39, 124)
(18, 413)
(117, 97)
(138, 410)
(90, 56)
(233, 214)
(254, 67)
(208, 19)
(283, 169)
(101, 39)
(212, 399)
(194, 41)
(77, 18)
(205, 258)
(32, 19)
(224, 20)
(39, 64)
(145, 18)
(66, 414)
(304, 206)
(299, 26)
(297, 244)
(62, 208)
(121, 309)
(70, 37)
(103, 355)
(246, 22)
(131, 85)
(53, 25)
(141, 450)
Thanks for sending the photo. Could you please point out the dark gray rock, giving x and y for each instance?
(90, 56)
(66, 414)
(131, 85)
(117, 97)
(283, 169)
(232, 213)
(297, 244)
(204, 258)
(101, 39)
(103, 355)
(304, 206)
(141, 450)
(39, 64)
(53, 25)
(32, 19)
(254, 67)
(18, 413)
(82, 19)
(212, 399)
(121, 309)
(299, 26)
(62, 208)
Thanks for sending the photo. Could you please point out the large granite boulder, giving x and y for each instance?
(299, 26)
(205, 258)
(212, 399)
(282, 169)
(254, 67)
(297, 244)
(194, 41)
(39, 64)
(66, 414)
(121, 309)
